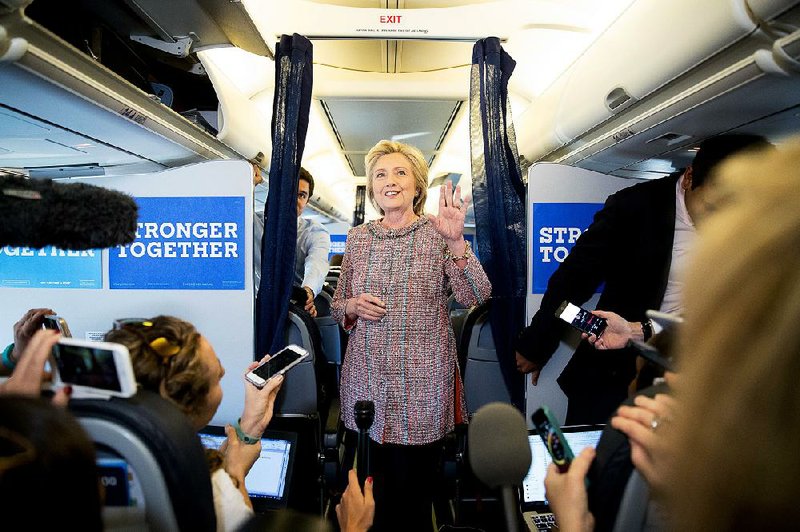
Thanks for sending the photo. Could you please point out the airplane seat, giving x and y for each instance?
(309, 405)
(300, 395)
(152, 464)
(458, 314)
(332, 278)
(329, 330)
(483, 378)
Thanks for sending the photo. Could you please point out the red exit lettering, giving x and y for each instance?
(391, 19)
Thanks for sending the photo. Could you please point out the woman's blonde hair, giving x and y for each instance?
(164, 353)
(419, 167)
(737, 434)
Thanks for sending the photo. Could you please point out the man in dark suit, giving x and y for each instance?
(636, 245)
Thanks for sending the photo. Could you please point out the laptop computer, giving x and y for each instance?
(534, 506)
(269, 478)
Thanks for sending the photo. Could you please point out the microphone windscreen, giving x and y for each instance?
(37, 213)
(364, 413)
(499, 453)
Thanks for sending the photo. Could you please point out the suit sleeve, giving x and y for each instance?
(575, 280)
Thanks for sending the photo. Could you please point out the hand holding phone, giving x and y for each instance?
(554, 440)
(278, 364)
(56, 323)
(582, 319)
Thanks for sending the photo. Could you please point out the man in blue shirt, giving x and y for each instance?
(313, 245)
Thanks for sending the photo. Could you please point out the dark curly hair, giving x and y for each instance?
(180, 377)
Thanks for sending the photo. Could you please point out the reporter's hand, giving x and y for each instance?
(239, 459)
(644, 424)
(566, 493)
(29, 375)
(365, 306)
(356, 510)
(617, 333)
(259, 404)
(526, 366)
(26, 327)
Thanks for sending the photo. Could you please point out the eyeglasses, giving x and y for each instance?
(120, 323)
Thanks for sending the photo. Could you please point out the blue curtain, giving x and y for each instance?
(499, 200)
(293, 80)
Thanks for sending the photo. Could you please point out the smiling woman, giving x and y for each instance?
(397, 274)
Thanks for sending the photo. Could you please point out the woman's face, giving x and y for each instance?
(393, 183)
(215, 373)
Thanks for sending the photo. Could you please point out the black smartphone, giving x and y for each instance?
(554, 440)
(278, 364)
(582, 319)
(648, 352)
(56, 323)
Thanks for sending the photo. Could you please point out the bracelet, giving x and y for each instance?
(7, 362)
(647, 329)
(465, 256)
(242, 435)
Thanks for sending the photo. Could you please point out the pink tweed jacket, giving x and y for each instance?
(405, 363)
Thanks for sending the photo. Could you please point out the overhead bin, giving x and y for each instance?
(48, 82)
(651, 45)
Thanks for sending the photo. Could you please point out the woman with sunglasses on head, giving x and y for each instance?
(171, 358)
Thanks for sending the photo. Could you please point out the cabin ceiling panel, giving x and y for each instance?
(424, 56)
(362, 123)
(365, 55)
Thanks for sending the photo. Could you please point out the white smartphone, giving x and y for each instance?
(278, 364)
(93, 369)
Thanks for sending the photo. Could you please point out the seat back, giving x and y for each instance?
(298, 396)
(165, 458)
(483, 378)
(328, 328)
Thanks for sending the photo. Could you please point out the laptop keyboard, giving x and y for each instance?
(540, 522)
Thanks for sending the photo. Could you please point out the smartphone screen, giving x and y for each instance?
(277, 363)
(582, 319)
(554, 440)
(87, 366)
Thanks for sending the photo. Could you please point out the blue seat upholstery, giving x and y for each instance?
(483, 378)
(158, 443)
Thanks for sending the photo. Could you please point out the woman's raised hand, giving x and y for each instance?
(452, 211)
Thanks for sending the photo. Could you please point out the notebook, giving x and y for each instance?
(533, 503)
(269, 478)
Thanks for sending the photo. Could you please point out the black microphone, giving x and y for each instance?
(499, 453)
(364, 415)
(40, 212)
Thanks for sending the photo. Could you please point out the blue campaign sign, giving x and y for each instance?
(556, 227)
(337, 245)
(194, 243)
(50, 267)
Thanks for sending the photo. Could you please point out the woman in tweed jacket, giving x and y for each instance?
(392, 295)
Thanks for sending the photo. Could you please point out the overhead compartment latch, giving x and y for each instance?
(180, 48)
